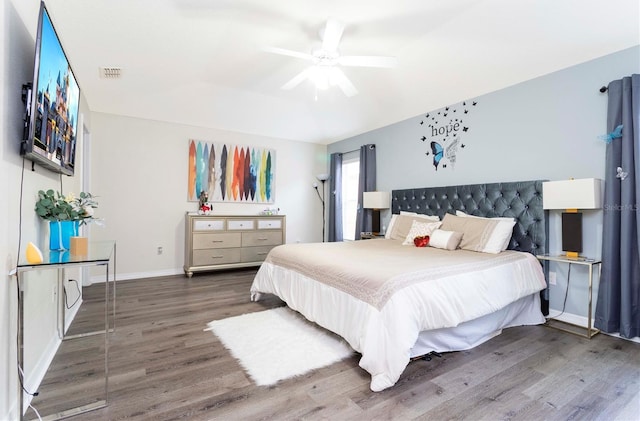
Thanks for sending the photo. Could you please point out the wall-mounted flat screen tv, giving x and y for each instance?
(52, 103)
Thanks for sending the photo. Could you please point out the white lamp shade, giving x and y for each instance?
(322, 177)
(572, 194)
(376, 200)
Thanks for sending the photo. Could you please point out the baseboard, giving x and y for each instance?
(583, 321)
(569, 318)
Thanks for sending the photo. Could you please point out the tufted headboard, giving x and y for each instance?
(521, 200)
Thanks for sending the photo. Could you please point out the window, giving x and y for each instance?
(350, 176)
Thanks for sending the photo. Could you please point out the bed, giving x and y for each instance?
(392, 301)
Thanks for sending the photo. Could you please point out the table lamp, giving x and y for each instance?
(376, 200)
(572, 195)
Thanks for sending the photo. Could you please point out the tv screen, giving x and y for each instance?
(52, 103)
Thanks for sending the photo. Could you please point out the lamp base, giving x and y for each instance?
(375, 221)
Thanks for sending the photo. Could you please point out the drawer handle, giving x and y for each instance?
(262, 253)
(217, 257)
(217, 241)
(263, 238)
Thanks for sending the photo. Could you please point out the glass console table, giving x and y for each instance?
(102, 253)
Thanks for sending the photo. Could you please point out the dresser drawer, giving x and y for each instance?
(216, 241)
(266, 238)
(215, 256)
(240, 224)
(255, 254)
(208, 224)
(266, 224)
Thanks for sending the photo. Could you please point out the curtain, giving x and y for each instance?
(618, 305)
(335, 197)
(366, 182)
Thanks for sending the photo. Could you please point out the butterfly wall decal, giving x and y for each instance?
(621, 174)
(616, 133)
(438, 153)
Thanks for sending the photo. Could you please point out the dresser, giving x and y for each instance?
(225, 242)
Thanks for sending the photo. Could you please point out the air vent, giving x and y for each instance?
(110, 72)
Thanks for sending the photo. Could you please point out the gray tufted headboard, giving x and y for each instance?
(521, 200)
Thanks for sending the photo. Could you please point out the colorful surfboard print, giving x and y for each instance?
(211, 179)
(247, 174)
(223, 171)
(229, 175)
(252, 176)
(240, 175)
(192, 171)
(263, 164)
(198, 169)
(204, 176)
(267, 172)
(235, 186)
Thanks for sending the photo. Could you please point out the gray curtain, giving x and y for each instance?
(366, 182)
(618, 305)
(335, 197)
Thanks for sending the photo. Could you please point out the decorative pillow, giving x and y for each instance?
(501, 236)
(476, 232)
(420, 229)
(402, 225)
(448, 240)
(422, 241)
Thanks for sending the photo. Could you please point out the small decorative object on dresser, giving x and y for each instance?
(225, 242)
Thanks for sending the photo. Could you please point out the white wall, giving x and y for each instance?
(139, 172)
(18, 220)
(544, 128)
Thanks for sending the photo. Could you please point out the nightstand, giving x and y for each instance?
(370, 236)
(590, 263)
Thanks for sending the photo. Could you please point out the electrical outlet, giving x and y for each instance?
(160, 251)
(552, 278)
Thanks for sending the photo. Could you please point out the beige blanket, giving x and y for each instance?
(373, 270)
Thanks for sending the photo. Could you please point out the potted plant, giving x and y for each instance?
(65, 214)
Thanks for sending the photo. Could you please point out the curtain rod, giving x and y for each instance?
(358, 150)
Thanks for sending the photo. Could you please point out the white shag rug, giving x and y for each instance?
(277, 344)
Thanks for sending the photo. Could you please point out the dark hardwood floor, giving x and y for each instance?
(164, 366)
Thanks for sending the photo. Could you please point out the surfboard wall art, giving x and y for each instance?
(230, 173)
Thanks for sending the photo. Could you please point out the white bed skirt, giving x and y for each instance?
(467, 335)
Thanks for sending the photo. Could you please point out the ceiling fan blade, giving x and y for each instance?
(368, 61)
(332, 34)
(337, 77)
(297, 79)
(290, 53)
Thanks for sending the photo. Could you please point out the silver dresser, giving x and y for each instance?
(224, 242)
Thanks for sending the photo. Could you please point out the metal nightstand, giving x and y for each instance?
(590, 263)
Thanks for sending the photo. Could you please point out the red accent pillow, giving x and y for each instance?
(421, 241)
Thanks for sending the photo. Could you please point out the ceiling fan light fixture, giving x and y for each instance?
(320, 77)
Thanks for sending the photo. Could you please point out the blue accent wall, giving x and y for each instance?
(544, 128)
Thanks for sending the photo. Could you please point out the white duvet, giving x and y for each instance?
(379, 295)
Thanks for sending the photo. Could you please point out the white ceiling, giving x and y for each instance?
(201, 62)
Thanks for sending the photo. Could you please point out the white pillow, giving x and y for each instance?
(387, 233)
(422, 216)
(420, 229)
(448, 240)
(499, 240)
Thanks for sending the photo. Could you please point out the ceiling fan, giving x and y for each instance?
(324, 70)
